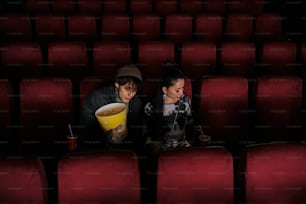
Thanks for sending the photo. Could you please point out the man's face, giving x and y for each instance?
(126, 91)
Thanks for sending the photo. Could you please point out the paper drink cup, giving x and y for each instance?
(112, 116)
(72, 142)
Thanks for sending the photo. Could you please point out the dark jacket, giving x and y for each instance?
(92, 134)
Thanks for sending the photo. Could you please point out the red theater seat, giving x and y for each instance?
(239, 27)
(87, 32)
(274, 173)
(166, 7)
(50, 28)
(115, 27)
(141, 7)
(279, 108)
(278, 58)
(224, 109)
(102, 177)
(238, 58)
(114, 6)
(209, 27)
(64, 6)
(91, 7)
(178, 28)
(46, 109)
(152, 57)
(37, 6)
(215, 6)
(109, 56)
(198, 59)
(195, 176)
(146, 27)
(9, 32)
(268, 27)
(21, 60)
(23, 180)
(191, 7)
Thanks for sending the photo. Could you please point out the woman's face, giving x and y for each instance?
(127, 91)
(174, 92)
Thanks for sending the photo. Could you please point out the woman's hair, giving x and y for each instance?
(171, 76)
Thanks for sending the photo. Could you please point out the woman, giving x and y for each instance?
(168, 115)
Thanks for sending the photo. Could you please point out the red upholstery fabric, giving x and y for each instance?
(109, 177)
(191, 6)
(278, 58)
(208, 27)
(275, 173)
(153, 55)
(223, 108)
(195, 176)
(37, 6)
(178, 28)
(21, 60)
(198, 59)
(146, 27)
(115, 27)
(279, 108)
(114, 6)
(239, 27)
(215, 6)
(68, 60)
(87, 32)
(92, 7)
(64, 6)
(268, 27)
(253, 7)
(166, 7)
(238, 58)
(23, 180)
(109, 56)
(50, 27)
(9, 32)
(46, 109)
(141, 7)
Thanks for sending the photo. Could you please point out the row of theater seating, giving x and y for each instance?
(145, 6)
(76, 60)
(268, 173)
(177, 28)
(232, 110)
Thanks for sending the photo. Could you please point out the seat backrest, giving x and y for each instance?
(202, 175)
(198, 59)
(68, 60)
(108, 57)
(21, 60)
(115, 27)
(37, 6)
(102, 177)
(67, 7)
(9, 32)
(152, 57)
(141, 7)
(50, 27)
(114, 6)
(239, 27)
(224, 108)
(279, 108)
(87, 32)
(166, 7)
(268, 27)
(178, 28)
(92, 7)
(146, 27)
(209, 27)
(274, 173)
(46, 109)
(23, 180)
(238, 58)
(278, 58)
(191, 6)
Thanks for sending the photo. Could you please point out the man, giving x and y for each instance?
(127, 82)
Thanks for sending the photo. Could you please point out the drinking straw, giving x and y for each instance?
(202, 133)
(70, 130)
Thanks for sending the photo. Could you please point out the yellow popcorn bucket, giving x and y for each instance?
(112, 116)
